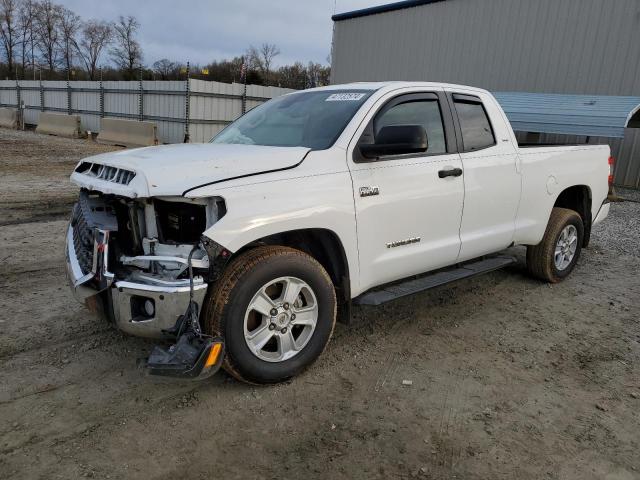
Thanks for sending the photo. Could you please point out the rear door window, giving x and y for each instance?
(474, 123)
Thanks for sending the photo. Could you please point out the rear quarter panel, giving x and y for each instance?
(546, 172)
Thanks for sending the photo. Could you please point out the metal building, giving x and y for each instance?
(586, 47)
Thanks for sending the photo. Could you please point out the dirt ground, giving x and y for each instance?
(35, 174)
(511, 378)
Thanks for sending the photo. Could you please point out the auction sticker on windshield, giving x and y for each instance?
(344, 97)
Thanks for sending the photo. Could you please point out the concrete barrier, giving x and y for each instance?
(59, 124)
(127, 133)
(8, 118)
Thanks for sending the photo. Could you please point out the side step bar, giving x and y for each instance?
(442, 277)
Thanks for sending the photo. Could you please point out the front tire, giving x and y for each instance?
(555, 257)
(275, 307)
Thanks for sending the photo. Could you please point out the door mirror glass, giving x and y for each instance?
(397, 140)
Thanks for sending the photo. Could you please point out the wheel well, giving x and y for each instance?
(325, 246)
(578, 198)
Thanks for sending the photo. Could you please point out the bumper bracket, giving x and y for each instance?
(192, 357)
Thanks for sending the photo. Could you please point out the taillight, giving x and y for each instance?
(612, 162)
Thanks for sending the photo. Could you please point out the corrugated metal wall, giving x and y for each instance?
(166, 100)
(30, 97)
(596, 115)
(8, 94)
(212, 105)
(547, 46)
(86, 101)
(627, 170)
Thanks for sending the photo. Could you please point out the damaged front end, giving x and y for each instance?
(133, 255)
(144, 264)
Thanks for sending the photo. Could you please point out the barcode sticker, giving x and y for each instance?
(344, 97)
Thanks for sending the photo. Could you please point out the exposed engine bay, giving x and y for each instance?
(145, 264)
(142, 261)
(149, 240)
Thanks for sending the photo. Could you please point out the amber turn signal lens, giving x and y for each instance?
(212, 359)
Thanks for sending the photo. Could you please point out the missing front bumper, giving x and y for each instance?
(98, 290)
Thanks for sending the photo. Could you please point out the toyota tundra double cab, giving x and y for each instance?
(243, 251)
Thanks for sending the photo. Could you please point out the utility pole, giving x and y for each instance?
(243, 76)
(141, 97)
(187, 105)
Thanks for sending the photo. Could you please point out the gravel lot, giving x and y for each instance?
(511, 378)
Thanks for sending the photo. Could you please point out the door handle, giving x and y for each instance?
(451, 172)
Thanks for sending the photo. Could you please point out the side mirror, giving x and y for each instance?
(397, 140)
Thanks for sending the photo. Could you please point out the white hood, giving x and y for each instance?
(170, 170)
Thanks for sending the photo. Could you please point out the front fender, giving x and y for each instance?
(266, 208)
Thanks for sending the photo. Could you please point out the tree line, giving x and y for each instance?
(41, 39)
(254, 67)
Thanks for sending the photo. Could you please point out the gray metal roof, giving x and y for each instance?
(589, 115)
(389, 7)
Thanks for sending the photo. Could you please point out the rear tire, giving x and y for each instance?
(248, 305)
(554, 258)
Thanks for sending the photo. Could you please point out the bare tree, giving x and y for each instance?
(47, 32)
(268, 51)
(9, 30)
(26, 27)
(70, 24)
(127, 53)
(261, 59)
(165, 68)
(95, 36)
(253, 60)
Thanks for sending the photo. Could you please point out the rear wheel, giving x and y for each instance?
(276, 309)
(556, 255)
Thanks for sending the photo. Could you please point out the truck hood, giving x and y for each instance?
(171, 170)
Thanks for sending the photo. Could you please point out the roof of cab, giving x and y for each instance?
(391, 85)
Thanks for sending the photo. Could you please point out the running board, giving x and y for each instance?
(442, 277)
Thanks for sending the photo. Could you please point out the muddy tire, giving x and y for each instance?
(554, 258)
(275, 307)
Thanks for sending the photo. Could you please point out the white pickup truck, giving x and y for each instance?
(244, 251)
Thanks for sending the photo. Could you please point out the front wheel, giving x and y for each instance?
(276, 309)
(556, 255)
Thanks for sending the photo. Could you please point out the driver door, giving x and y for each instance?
(408, 207)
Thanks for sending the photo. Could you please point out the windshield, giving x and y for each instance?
(307, 119)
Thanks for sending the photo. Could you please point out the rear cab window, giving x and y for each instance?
(477, 132)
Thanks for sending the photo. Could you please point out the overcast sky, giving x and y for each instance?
(200, 31)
